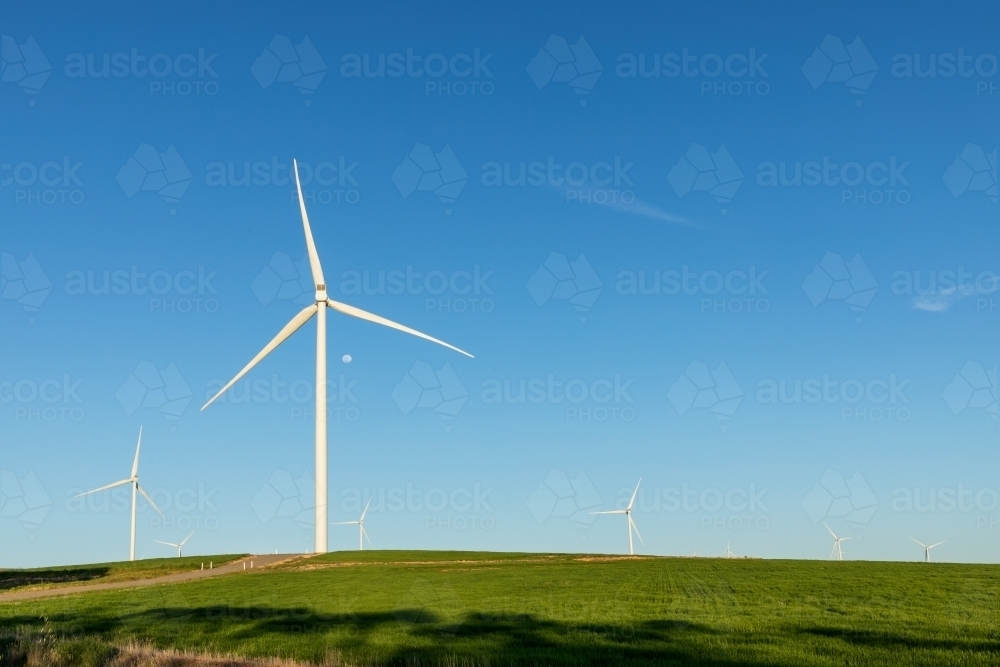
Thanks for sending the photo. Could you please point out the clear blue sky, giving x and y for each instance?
(766, 352)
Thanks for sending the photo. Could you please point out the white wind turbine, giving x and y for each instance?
(360, 523)
(318, 309)
(837, 551)
(729, 552)
(177, 546)
(628, 515)
(134, 482)
(927, 548)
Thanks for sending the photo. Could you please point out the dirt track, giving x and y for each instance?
(180, 577)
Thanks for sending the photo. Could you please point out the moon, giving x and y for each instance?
(346, 359)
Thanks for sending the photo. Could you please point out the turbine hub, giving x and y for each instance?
(320, 293)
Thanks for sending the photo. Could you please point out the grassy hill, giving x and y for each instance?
(465, 608)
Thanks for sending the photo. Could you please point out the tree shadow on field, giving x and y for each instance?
(17, 578)
(890, 640)
(406, 637)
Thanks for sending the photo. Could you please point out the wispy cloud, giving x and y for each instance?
(939, 301)
(649, 211)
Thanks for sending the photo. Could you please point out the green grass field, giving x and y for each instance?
(50, 577)
(458, 608)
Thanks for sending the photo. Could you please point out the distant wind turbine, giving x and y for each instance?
(318, 309)
(628, 515)
(729, 552)
(927, 548)
(360, 523)
(178, 546)
(837, 551)
(134, 482)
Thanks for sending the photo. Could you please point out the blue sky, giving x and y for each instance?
(691, 386)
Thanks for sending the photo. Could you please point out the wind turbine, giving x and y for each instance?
(362, 534)
(837, 551)
(927, 548)
(178, 546)
(729, 552)
(318, 309)
(628, 515)
(134, 482)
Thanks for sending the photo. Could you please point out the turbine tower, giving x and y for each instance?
(133, 480)
(628, 516)
(927, 548)
(318, 309)
(178, 546)
(362, 534)
(837, 551)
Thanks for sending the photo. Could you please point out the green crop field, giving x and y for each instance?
(457, 608)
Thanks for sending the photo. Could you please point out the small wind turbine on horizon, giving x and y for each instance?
(837, 550)
(628, 515)
(362, 533)
(318, 309)
(133, 480)
(927, 548)
(729, 552)
(177, 546)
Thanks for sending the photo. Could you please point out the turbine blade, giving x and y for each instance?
(610, 512)
(185, 540)
(169, 544)
(377, 319)
(831, 531)
(294, 325)
(633, 493)
(636, 529)
(365, 512)
(345, 523)
(365, 533)
(148, 499)
(104, 488)
(135, 464)
(314, 265)
(918, 542)
(939, 543)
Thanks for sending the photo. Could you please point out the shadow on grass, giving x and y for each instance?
(407, 636)
(16, 579)
(891, 640)
(418, 637)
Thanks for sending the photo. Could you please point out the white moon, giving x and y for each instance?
(347, 359)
